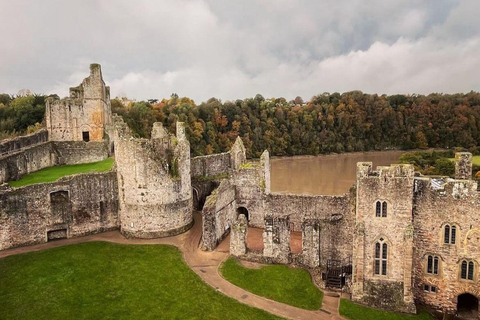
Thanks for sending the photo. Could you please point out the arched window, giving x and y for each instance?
(453, 235)
(432, 265)
(467, 270)
(470, 270)
(450, 234)
(446, 237)
(381, 209)
(381, 256)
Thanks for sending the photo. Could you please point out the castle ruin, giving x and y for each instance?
(394, 240)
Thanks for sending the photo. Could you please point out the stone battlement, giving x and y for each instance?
(393, 239)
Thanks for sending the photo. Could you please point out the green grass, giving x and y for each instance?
(100, 280)
(475, 160)
(280, 283)
(52, 174)
(355, 311)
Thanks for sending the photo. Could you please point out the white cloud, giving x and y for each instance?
(235, 49)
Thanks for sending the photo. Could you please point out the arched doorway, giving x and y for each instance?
(467, 306)
(244, 211)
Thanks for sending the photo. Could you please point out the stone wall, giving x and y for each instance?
(211, 165)
(463, 165)
(219, 214)
(327, 222)
(75, 152)
(154, 182)
(334, 216)
(18, 143)
(238, 236)
(456, 203)
(276, 239)
(221, 164)
(73, 206)
(201, 190)
(14, 165)
(30, 159)
(250, 192)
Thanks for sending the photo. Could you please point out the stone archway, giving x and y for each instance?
(244, 211)
(467, 306)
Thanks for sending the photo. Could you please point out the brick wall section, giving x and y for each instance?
(27, 213)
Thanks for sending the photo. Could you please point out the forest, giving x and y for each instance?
(329, 122)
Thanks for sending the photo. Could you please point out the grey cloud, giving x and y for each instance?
(235, 49)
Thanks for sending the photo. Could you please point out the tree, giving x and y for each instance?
(422, 142)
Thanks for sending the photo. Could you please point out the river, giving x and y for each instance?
(326, 174)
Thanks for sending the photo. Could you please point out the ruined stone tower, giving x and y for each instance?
(84, 116)
(463, 165)
(155, 193)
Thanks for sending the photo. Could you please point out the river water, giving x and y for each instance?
(328, 174)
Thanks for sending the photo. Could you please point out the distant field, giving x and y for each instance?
(291, 286)
(52, 174)
(475, 160)
(100, 280)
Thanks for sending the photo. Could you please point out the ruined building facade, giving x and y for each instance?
(393, 240)
(84, 116)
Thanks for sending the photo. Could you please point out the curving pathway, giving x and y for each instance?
(206, 265)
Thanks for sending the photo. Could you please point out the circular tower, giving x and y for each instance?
(155, 193)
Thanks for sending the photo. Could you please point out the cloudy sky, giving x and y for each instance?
(236, 49)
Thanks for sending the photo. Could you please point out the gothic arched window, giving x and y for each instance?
(467, 270)
(432, 265)
(381, 257)
(449, 234)
(381, 209)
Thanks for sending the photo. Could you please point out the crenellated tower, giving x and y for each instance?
(383, 243)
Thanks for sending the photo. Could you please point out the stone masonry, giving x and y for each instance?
(403, 237)
(84, 116)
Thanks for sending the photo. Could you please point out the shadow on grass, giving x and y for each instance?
(353, 311)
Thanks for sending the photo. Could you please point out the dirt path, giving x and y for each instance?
(206, 265)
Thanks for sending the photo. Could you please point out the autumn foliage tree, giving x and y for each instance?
(353, 121)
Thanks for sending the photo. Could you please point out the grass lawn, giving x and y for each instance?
(52, 174)
(280, 283)
(354, 311)
(100, 280)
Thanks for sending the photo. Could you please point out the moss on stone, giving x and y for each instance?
(211, 178)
